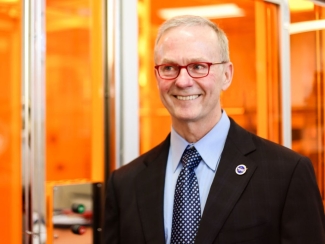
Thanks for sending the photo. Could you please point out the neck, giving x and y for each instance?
(193, 131)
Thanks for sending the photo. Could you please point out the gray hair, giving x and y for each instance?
(192, 20)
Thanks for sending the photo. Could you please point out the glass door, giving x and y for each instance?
(74, 128)
(52, 107)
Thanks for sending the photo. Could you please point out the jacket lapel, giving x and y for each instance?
(227, 186)
(150, 194)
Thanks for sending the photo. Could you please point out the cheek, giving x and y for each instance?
(163, 87)
(218, 82)
(213, 84)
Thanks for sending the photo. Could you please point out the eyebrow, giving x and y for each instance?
(194, 60)
(168, 61)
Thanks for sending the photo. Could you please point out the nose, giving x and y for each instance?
(184, 79)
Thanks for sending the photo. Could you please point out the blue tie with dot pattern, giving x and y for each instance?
(187, 207)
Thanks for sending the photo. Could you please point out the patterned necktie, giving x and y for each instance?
(187, 207)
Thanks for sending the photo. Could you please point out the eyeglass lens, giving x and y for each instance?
(195, 70)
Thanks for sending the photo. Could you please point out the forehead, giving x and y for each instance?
(187, 43)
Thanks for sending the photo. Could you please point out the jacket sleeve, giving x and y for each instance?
(303, 218)
(111, 220)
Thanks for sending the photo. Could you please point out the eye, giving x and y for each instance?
(168, 68)
(198, 66)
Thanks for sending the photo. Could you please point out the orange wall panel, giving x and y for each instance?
(68, 105)
(10, 138)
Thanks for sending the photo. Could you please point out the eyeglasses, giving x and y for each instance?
(195, 70)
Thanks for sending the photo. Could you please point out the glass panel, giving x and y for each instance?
(74, 85)
(307, 79)
(68, 90)
(74, 213)
(10, 122)
(253, 97)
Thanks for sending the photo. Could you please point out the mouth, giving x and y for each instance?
(187, 98)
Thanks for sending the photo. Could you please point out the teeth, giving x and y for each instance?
(187, 97)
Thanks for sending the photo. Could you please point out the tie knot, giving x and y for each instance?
(191, 158)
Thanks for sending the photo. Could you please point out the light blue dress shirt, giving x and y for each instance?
(210, 148)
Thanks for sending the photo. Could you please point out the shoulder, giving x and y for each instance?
(275, 150)
(276, 165)
(263, 150)
(143, 161)
(279, 153)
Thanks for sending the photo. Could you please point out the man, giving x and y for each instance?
(240, 189)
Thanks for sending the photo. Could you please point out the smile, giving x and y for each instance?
(185, 98)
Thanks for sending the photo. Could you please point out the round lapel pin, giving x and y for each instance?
(241, 169)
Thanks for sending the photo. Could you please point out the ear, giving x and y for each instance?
(156, 75)
(228, 74)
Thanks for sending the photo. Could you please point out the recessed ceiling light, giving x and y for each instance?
(209, 11)
(300, 5)
(306, 26)
(9, 1)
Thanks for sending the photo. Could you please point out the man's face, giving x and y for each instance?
(192, 99)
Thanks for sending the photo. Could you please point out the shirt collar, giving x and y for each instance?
(209, 147)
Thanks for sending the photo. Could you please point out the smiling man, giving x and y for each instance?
(209, 181)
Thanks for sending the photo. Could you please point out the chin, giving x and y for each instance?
(186, 118)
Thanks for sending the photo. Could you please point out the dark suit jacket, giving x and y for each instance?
(276, 201)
